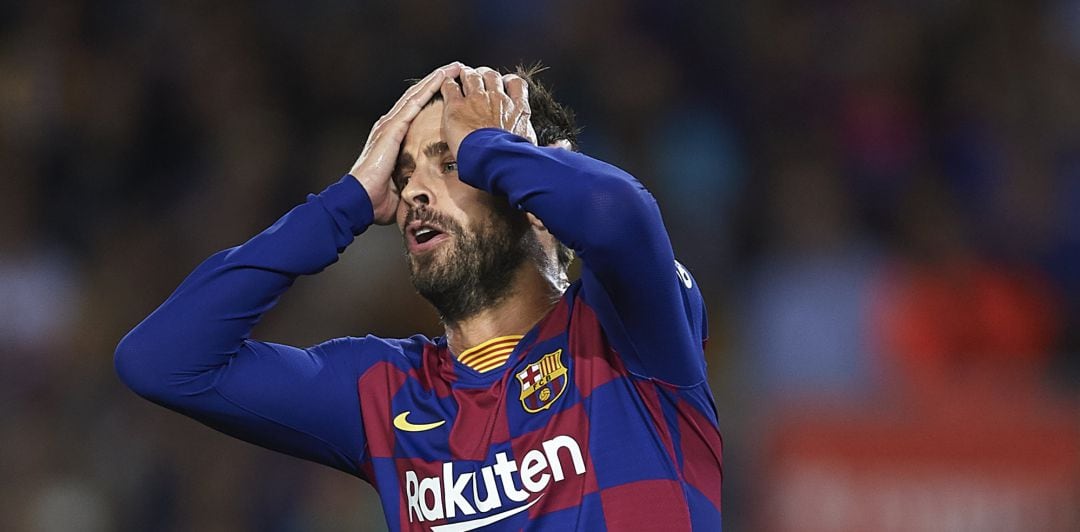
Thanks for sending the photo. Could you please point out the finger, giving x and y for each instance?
(518, 91)
(414, 93)
(516, 88)
(531, 135)
(451, 70)
(396, 122)
(418, 96)
(425, 88)
(523, 127)
(451, 91)
(416, 102)
(492, 80)
(413, 89)
(408, 108)
(471, 81)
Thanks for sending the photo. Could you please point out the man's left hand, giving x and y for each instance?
(485, 98)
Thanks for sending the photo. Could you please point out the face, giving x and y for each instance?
(462, 245)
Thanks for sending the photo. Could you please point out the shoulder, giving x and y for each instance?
(658, 326)
(677, 279)
(370, 349)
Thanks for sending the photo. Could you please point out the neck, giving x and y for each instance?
(531, 296)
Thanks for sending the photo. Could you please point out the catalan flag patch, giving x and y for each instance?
(491, 354)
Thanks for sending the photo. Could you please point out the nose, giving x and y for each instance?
(417, 191)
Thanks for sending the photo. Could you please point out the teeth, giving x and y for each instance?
(423, 231)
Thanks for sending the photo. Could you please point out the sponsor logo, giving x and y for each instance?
(402, 423)
(492, 486)
(542, 382)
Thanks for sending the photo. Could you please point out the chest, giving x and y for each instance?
(436, 413)
(561, 420)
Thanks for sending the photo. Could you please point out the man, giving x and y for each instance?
(546, 406)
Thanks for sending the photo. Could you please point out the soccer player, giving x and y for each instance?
(547, 405)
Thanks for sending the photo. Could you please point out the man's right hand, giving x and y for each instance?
(374, 167)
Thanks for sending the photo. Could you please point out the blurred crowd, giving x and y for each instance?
(880, 200)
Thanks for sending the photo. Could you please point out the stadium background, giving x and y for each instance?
(880, 200)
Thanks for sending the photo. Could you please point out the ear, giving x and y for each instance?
(561, 143)
(535, 222)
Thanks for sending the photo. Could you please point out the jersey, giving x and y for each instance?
(601, 417)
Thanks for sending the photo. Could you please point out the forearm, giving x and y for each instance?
(604, 214)
(652, 314)
(587, 204)
(202, 325)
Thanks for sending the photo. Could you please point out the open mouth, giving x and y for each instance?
(425, 234)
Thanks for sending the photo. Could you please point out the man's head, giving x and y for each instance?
(464, 246)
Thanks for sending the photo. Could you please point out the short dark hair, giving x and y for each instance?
(552, 121)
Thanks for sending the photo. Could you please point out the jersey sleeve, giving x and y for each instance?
(194, 354)
(647, 303)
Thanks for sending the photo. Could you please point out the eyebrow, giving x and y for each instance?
(435, 149)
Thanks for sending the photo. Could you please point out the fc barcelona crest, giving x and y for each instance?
(542, 382)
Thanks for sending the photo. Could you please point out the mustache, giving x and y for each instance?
(428, 216)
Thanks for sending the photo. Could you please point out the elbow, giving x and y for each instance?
(134, 364)
(620, 197)
(620, 209)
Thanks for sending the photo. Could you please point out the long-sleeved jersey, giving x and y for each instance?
(600, 419)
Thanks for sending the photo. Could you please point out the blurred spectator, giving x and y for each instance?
(807, 300)
(947, 317)
(39, 289)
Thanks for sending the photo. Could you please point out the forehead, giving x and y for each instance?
(425, 129)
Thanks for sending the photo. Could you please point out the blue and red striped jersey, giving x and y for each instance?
(601, 417)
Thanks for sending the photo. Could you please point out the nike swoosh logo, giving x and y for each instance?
(465, 526)
(401, 423)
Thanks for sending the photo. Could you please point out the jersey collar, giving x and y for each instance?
(491, 354)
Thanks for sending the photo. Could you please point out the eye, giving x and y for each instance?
(399, 181)
(449, 167)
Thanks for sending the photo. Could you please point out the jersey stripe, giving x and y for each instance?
(488, 356)
(495, 363)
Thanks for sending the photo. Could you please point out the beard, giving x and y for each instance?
(475, 269)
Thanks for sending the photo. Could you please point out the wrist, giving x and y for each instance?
(363, 177)
(349, 203)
